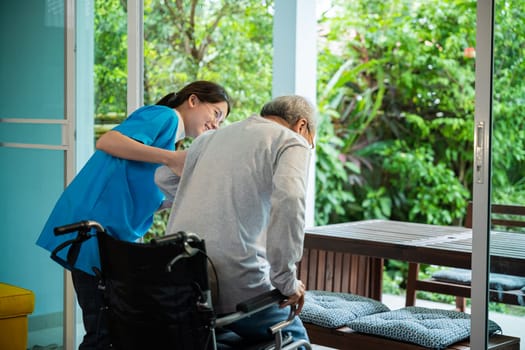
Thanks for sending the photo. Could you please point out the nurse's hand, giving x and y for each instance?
(176, 161)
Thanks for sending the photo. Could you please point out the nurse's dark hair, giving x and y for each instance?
(206, 91)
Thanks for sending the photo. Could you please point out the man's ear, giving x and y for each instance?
(300, 126)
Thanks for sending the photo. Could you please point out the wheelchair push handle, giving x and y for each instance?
(81, 226)
(73, 244)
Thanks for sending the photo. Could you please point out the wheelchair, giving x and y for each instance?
(157, 294)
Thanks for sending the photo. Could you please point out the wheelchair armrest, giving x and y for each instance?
(261, 301)
(254, 305)
(178, 237)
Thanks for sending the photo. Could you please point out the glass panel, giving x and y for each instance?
(49, 134)
(508, 170)
(110, 69)
(32, 71)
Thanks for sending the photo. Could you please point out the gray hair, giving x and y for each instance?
(291, 108)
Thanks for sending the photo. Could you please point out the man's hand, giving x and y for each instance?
(296, 299)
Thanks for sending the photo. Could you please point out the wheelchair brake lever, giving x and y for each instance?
(279, 326)
(189, 251)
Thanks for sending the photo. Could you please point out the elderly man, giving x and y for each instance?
(243, 190)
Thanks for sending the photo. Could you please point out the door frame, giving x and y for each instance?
(482, 174)
(68, 140)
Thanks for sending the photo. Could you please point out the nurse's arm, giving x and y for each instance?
(121, 146)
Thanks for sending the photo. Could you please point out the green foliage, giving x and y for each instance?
(400, 94)
(396, 271)
(397, 88)
(110, 57)
(227, 41)
(158, 229)
(430, 191)
(391, 284)
(508, 104)
(332, 175)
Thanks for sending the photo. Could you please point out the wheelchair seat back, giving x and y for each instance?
(149, 307)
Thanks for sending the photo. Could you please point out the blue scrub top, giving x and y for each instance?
(120, 194)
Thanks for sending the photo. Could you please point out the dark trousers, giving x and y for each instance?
(94, 315)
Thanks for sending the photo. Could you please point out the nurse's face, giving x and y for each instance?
(204, 116)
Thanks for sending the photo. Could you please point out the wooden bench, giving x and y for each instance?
(337, 271)
(347, 339)
(341, 272)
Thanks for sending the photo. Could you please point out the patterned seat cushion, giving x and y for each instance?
(496, 281)
(334, 310)
(431, 328)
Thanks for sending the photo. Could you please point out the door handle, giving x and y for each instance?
(479, 151)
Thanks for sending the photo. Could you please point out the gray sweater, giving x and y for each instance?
(243, 191)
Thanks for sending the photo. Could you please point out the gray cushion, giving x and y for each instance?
(432, 328)
(334, 310)
(496, 281)
(461, 276)
(505, 282)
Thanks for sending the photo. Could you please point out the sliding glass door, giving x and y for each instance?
(35, 148)
(46, 134)
(499, 171)
(508, 166)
